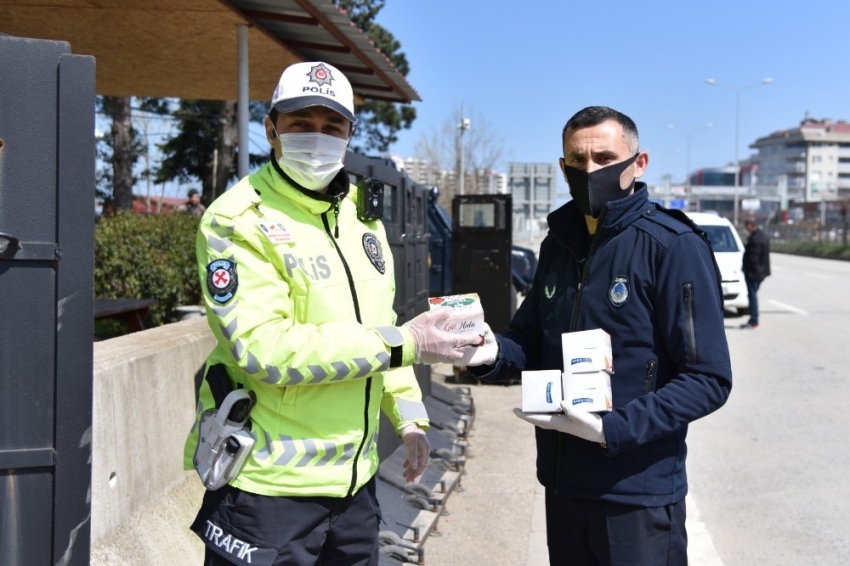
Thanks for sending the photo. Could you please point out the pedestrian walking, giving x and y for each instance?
(756, 266)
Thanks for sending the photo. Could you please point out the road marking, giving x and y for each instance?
(787, 307)
(817, 275)
(701, 551)
(538, 552)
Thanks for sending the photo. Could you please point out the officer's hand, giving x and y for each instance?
(418, 449)
(435, 346)
(574, 421)
(482, 355)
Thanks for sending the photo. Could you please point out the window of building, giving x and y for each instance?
(816, 159)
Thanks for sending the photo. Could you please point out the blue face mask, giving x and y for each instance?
(592, 191)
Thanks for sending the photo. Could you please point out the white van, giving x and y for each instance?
(729, 253)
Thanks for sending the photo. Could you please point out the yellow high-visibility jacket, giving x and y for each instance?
(299, 294)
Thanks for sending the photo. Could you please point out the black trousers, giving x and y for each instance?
(238, 527)
(584, 532)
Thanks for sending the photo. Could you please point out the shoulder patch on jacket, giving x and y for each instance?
(222, 281)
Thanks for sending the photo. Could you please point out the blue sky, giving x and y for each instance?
(528, 66)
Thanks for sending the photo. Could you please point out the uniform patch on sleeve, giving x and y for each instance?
(374, 251)
(618, 294)
(221, 280)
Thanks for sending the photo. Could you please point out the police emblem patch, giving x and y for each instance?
(618, 294)
(551, 285)
(320, 75)
(221, 280)
(374, 251)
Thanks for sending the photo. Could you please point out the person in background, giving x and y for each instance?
(299, 295)
(193, 204)
(615, 483)
(756, 266)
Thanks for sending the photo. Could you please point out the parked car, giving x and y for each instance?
(729, 253)
(523, 266)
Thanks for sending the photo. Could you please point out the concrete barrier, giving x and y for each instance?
(141, 498)
(142, 501)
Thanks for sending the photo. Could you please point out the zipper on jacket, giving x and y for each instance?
(649, 378)
(357, 314)
(691, 341)
(582, 274)
(363, 440)
(336, 222)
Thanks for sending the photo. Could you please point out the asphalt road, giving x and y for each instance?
(769, 472)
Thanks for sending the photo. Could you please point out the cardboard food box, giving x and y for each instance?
(541, 391)
(586, 384)
(467, 312)
(589, 391)
(586, 351)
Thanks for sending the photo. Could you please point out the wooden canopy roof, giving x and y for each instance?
(188, 48)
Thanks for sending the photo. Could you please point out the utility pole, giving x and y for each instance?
(463, 126)
(737, 90)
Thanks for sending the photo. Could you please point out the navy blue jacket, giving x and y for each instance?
(671, 358)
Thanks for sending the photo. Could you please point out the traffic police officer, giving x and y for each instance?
(299, 294)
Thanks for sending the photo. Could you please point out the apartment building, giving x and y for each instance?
(814, 159)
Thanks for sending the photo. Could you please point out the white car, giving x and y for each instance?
(729, 253)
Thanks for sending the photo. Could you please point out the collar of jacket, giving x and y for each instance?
(567, 225)
(271, 175)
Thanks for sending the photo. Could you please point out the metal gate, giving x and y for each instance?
(481, 254)
(405, 221)
(47, 169)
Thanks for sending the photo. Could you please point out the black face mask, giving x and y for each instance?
(592, 190)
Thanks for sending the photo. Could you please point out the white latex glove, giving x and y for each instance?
(575, 422)
(482, 355)
(434, 346)
(418, 449)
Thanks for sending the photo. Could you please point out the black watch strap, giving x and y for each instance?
(396, 353)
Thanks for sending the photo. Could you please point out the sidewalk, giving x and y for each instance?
(497, 516)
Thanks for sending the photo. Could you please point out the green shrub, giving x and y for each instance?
(139, 256)
(813, 248)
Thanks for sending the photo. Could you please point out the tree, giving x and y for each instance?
(482, 153)
(206, 145)
(378, 121)
(120, 148)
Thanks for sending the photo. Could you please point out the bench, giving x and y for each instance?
(132, 311)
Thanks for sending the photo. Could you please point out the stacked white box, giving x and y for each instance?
(586, 383)
(541, 391)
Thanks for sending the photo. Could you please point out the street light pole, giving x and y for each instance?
(737, 90)
(463, 126)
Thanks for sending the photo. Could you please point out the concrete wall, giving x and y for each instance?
(144, 397)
